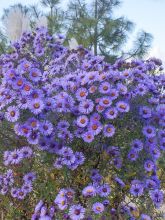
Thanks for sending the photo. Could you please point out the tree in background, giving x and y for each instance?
(55, 15)
(95, 27)
(3, 42)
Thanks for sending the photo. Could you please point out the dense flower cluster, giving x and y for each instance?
(99, 127)
(7, 185)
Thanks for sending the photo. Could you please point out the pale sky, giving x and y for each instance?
(148, 15)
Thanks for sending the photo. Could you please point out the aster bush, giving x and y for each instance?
(80, 138)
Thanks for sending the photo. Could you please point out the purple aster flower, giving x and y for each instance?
(149, 165)
(11, 74)
(104, 190)
(76, 212)
(36, 94)
(58, 164)
(26, 89)
(94, 172)
(62, 125)
(14, 192)
(162, 144)
(92, 89)
(155, 152)
(156, 179)
(79, 158)
(29, 177)
(46, 128)
(153, 100)
(89, 191)
(97, 179)
(18, 83)
(98, 208)
(126, 74)
(105, 101)
(8, 97)
(38, 206)
(25, 66)
(122, 89)
(100, 108)
(81, 94)
(113, 151)
(35, 74)
(91, 77)
(8, 178)
(65, 135)
(27, 188)
(95, 117)
(119, 181)
(43, 211)
(49, 103)
(73, 166)
(15, 157)
(122, 106)
(69, 194)
(113, 211)
(111, 113)
(95, 127)
(68, 159)
(133, 155)
(149, 131)
(145, 112)
(136, 189)
(24, 130)
(36, 106)
(56, 147)
(88, 137)
(104, 88)
(64, 151)
(113, 94)
(4, 190)
(61, 202)
(26, 152)
(152, 141)
(39, 51)
(82, 121)
(1, 116)
(21, 194)
(117, 162)
(151, 184)
(33, 138)
(52, 211)
(12, 114)
(43, 144)
(145, 217)
(157, 197)
(33, 123)
(106, 202)
(66, 216)
(137, 145)
(161, 134)
(23, 103)
(78, 132)
(6, 158)
(141, 89)
(109, 130)
(86, 106)
(62, 193)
